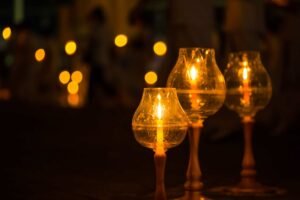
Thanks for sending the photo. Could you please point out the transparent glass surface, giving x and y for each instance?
(159, 119)
(200, 84)
(249, 87)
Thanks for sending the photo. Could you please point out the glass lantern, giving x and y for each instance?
(159, 123)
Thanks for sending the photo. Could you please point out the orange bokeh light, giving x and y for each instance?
(73, 87)
(64, 77)
(73, 99)
(70, 47)
(77, 76)
(40, 55)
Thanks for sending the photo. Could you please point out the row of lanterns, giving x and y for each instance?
(195, 91)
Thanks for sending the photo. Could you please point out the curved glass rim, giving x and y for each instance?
(250, 52)
(159, 88)
(202, 48)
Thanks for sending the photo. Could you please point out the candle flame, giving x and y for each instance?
(193, 73)
(245, 76)
(245, 73)
(160, 133)
(159, 97)
(159, 110)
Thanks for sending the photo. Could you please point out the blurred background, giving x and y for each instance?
(72, 74)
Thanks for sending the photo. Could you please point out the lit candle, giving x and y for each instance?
(193, 74)
(246, 91)
(159, 133)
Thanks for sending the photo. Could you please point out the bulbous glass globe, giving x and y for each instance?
(159, 121)
(199, 83)
(249, 87)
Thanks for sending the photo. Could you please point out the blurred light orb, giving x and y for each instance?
(151, 77)
(121, 40)
(70, 47)
(64, 77)
(40, 55)
(73, 87)
(73, 99)
(160, 48)
(6, 33)
(76, 76)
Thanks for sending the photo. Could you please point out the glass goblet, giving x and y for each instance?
(201, 91)
(249, 90)
(159, 123)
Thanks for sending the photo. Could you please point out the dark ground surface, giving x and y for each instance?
(53, 153)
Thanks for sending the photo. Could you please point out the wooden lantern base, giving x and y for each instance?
(248, 185)
(193, 185)
(255, 189)
(160, 165)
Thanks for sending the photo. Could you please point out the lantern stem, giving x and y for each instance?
(248, 172)
(248, 185)
(193, 175)
(160, 165)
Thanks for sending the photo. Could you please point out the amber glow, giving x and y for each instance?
(77, 76)
(159, 121)
(121, 40)
(6, 33)
(160, 133)
(64, 77)
(246, 92)
(193, 73)
(200, 89)
(73, 99)
(70, 47)
(151, 77)
(245, 71)
(245, 74)
(221, 78)
(160, 48)
(159, 110)
(40, 55)
(73, 87)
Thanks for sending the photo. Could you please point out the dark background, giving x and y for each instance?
(52, 149)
